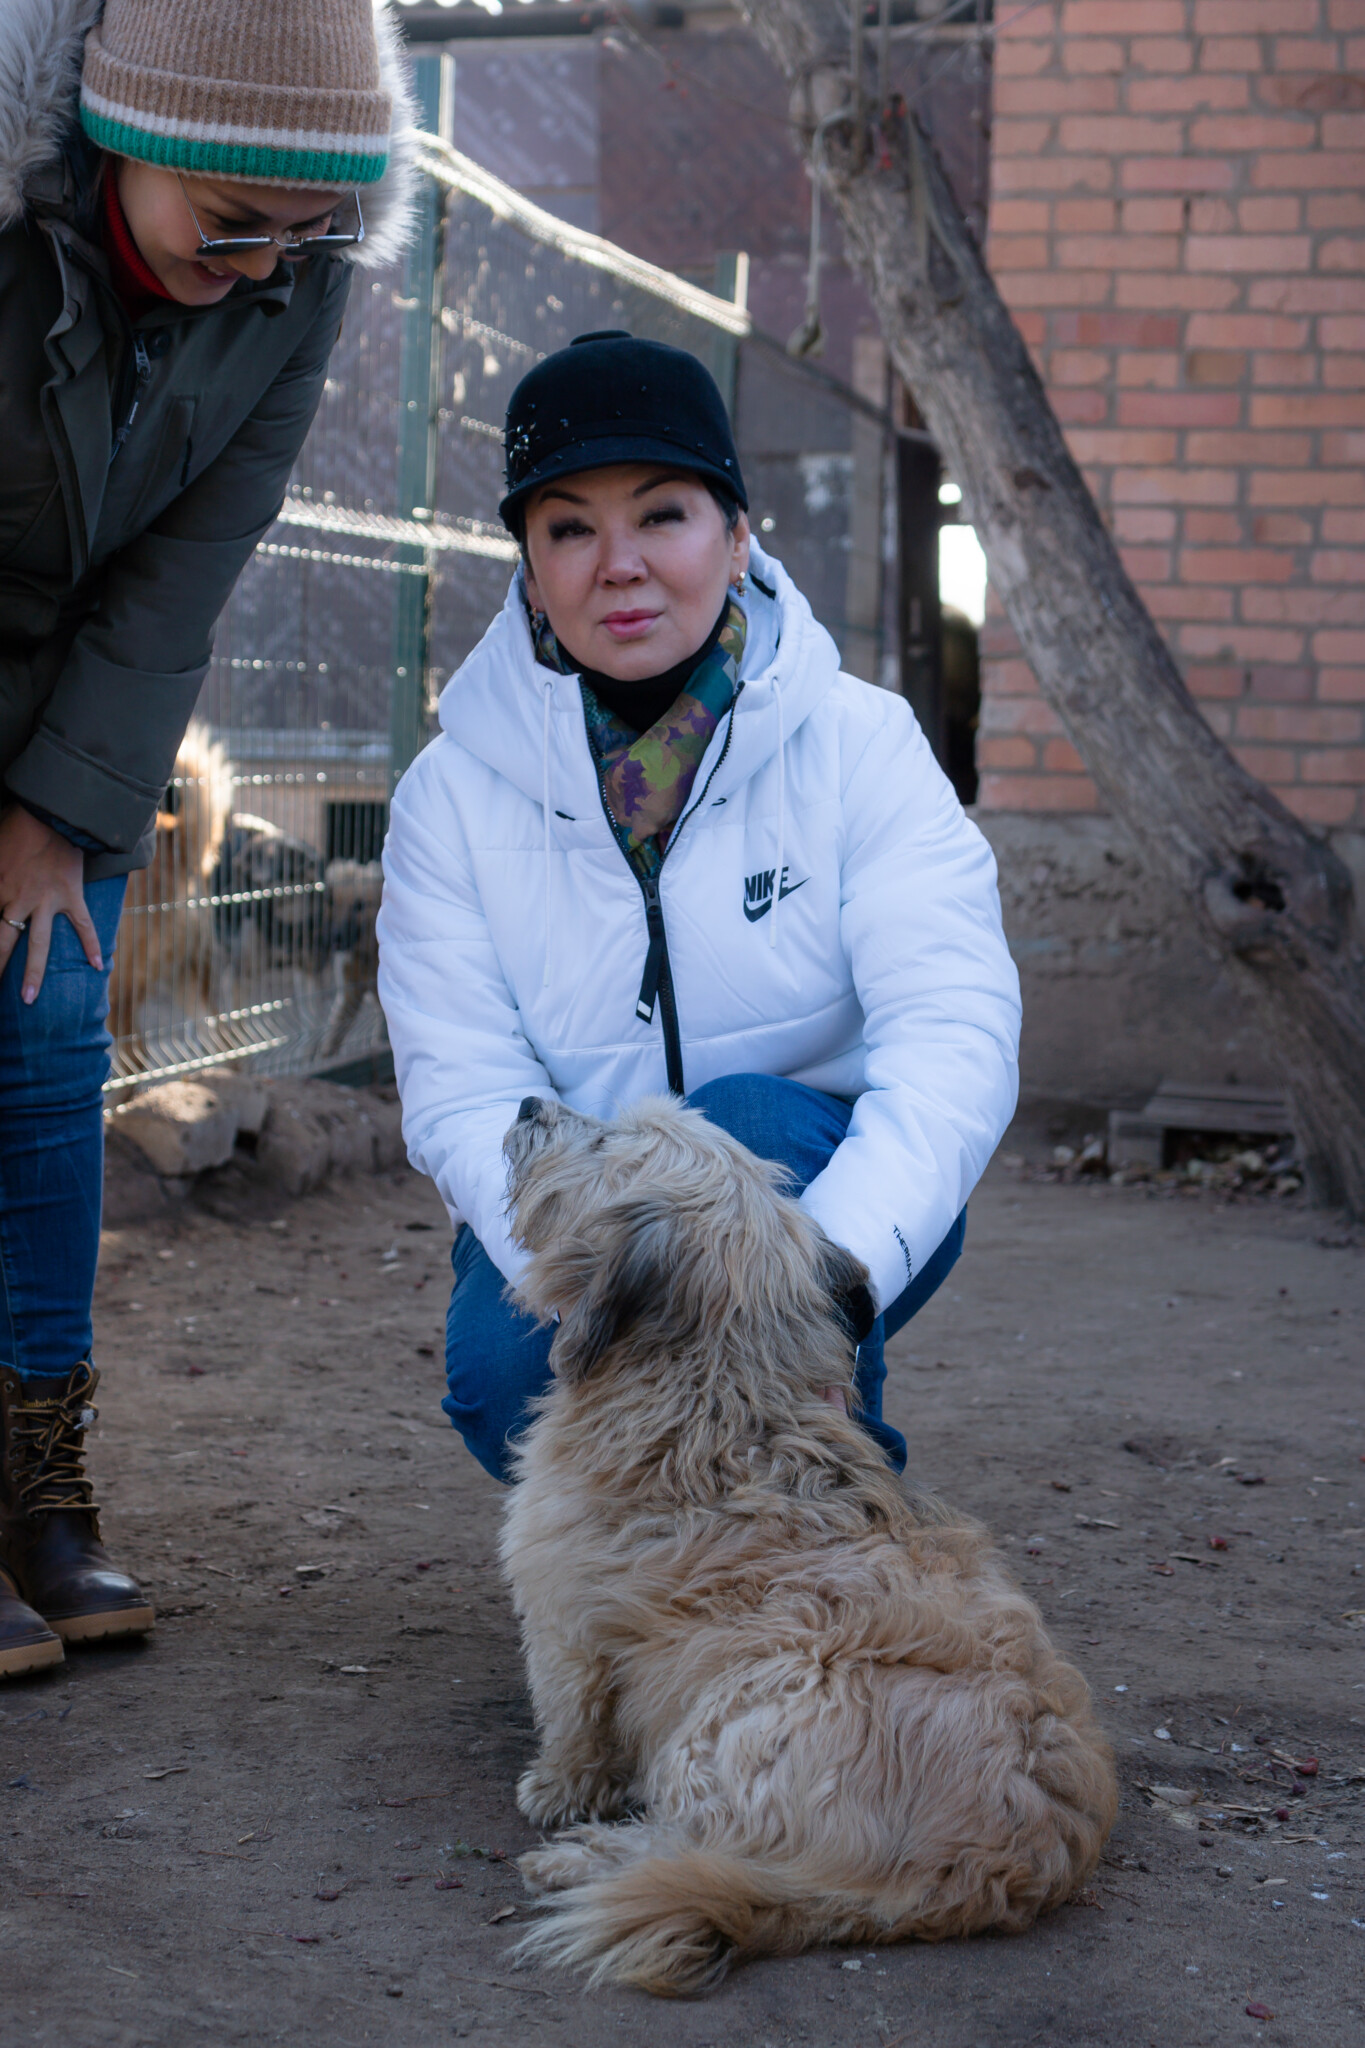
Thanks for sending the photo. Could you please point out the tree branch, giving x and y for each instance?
(1272, 899)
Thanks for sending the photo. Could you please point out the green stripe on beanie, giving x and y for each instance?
(276, 91)
(261, 163)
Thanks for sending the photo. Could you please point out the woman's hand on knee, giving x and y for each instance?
(42, 876)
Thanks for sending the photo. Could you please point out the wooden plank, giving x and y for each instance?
(1217, 1091)
(1178, 1106)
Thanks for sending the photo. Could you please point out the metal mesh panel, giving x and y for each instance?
(252, 935)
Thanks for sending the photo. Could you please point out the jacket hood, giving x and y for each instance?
(500, 702)
(41, 43)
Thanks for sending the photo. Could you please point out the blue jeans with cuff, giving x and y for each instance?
(497, 1360)
(54, 1062)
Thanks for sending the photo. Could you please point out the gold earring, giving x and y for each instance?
(740, 582)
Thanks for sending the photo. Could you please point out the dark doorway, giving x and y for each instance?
(940, 651)
(918, 474)
(355, 831)
(961, 702)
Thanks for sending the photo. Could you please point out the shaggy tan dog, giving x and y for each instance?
(165, 956)
(815, 1708)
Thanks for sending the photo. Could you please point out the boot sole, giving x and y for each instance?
(31, 1657)
(92, 1628)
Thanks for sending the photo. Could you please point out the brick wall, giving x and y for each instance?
(1178, 224)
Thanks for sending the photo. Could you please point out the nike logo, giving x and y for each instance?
(758, 892)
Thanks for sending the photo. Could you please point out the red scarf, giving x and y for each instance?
(136, 283)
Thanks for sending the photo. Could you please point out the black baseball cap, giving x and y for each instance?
(609, 398)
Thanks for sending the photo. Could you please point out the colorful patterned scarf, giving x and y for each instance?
(646, 778)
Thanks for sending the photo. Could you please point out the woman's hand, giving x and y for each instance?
(42, 876)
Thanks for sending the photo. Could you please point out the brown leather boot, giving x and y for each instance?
(49, 1529)
(26, 1641)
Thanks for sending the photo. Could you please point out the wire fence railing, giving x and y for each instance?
(251, 937)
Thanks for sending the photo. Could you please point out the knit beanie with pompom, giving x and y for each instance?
(278, 92)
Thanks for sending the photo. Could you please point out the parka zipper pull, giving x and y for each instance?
(654, 958)
(140, 383)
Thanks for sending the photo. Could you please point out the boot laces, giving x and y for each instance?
(48, 1445)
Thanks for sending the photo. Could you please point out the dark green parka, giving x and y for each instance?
(122, 530)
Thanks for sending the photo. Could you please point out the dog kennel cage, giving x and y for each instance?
(252, 935)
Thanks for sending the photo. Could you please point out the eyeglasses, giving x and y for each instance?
(292, 245)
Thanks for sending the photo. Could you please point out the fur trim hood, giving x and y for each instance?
(40, 63)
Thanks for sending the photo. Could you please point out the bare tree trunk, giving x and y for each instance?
(1275, 901)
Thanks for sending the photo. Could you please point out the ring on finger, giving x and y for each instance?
(20, 923)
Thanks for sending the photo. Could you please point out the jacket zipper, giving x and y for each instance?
(657, 982)
(141, 380)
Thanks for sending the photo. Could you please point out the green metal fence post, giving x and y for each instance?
(419, 396)
(730, 281)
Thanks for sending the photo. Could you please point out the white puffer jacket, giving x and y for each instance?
(513, 933)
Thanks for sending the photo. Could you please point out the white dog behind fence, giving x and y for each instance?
(780, 1700)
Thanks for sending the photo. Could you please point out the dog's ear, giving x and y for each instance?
(844, 1280)
(629, 1280)
(582, 1337)
(840, 1273)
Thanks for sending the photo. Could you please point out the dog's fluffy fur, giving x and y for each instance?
(166, 952)
(780, 1701)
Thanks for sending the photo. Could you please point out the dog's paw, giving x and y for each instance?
(554, 1869)
(553, 1799)
(546, 1799)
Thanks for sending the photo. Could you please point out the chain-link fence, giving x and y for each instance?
(252, 935)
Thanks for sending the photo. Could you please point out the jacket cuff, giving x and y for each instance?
(85, 841)
(73, 767)
(110, 807)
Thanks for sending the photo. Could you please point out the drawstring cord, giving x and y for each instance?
(545, 801)
(781, 809)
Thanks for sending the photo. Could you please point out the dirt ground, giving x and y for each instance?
(289, 1817)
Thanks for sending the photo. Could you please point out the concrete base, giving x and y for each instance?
(287, 1135)
(1120, 990)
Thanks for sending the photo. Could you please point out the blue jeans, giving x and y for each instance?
(497, 1359)
(54, 1062)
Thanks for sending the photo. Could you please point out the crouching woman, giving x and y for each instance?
(180, 200)
(662, 843)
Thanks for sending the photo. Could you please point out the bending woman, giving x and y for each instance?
(662, 843)
(175, 249)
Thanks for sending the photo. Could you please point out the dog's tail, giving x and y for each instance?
(670, 1919)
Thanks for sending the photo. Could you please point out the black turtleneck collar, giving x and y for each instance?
(642, 703)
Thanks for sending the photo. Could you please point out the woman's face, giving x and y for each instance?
(156, 205)
(630, 565)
